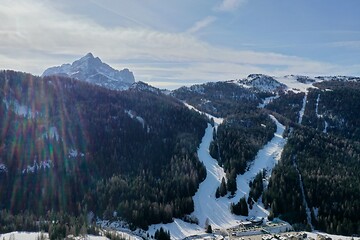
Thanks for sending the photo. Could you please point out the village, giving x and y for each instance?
(258, 229)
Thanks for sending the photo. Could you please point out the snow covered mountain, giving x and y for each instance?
(262, 83)
(91, 69)
(295, 83)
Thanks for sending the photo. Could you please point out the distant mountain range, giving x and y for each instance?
(91, 69)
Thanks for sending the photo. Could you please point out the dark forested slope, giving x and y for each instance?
(70, 146)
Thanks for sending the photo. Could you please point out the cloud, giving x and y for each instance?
(34, 37)
(347, 44)
(201, 24)
(230, 5)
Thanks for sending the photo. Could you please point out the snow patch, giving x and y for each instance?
(326, 127)
(216, 120)
(317, 106)
(19, 109)
(37, 166)
(52, 133)
(36, 235)
(316, 212)
(74, 153)
(22, 235)
(292, 82)
(268, 100)
(302, 110)
(133, 115)
(262, 83)
(3, 168)
(121, 228)
(320, 115)
(315, 234)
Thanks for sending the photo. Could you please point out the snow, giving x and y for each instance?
(266, 158)
(293, 84)
(3, 168)
(316, 212)
(216, 120)
(302, 110)
(261, 83)
(133, 115)
(317, 106)
(320, 115)
(267, 100)
(19, 109)
(84, 69)
(326, 127)
(37, 166)
(35, 235)
(73, 153)
(120, 227)
(21, 235)
(52, 133)
(307, 209)
(314, 235)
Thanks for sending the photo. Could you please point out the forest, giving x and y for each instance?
(80, 147)
(325, 149)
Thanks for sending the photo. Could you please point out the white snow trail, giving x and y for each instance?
(301, 113)
(266, 158)
(217, 210)
(307, 209)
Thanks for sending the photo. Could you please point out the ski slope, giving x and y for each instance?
(217, 211)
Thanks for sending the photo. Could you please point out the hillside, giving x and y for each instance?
(71, 147)
(315, 184)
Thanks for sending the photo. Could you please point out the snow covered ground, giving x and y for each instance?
(302, 110)
(333, 237)
(19, 109)
(293, 84)
(217, 211)
(266, 158)
(267, 101)
(216, 120)
(35, 235)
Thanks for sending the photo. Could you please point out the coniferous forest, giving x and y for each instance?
(72, 147)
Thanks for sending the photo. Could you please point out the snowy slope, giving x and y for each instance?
(262, 83)
(266, 158)
(295, 83)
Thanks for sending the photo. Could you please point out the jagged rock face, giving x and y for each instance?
(93, 70)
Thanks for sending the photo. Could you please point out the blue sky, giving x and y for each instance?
(170, 43)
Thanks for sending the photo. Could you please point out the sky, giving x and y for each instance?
(171, 43)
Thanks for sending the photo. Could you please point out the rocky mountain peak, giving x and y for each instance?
(91, 69)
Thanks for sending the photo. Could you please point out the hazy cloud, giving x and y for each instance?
(201, 24)
(230, 5)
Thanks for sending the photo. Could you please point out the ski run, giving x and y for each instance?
(216, 211)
